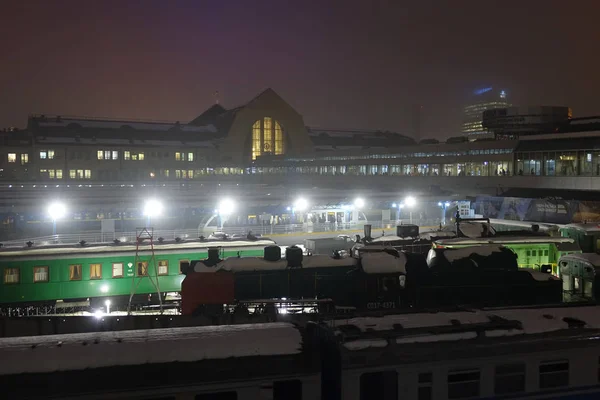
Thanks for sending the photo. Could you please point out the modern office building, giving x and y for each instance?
(483, 99)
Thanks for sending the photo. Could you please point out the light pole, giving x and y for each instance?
(410, 202)
(152, 208)
(56, 210)
(226, 208)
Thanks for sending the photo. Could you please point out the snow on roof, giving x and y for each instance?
(465, 252)
(383, 263)
(192, 245)
(241, 264)
(530, 320)
(392, 238)
(39, 354)
(592, 258)
(502, 240)
(540, 276)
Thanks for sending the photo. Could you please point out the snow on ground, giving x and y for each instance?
(104, 349)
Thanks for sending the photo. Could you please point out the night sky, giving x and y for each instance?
(342, 64)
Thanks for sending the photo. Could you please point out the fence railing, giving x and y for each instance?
(242, 231)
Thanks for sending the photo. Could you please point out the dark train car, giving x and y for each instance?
(483, 276)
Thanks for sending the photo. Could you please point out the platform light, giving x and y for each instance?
(359, 203)
(410, 201)
(98, 314)
(153, 208)
(439, 203)
(447, 204)
(104, 288)
(57, 210)
(301, 204)
(107, 304)
(226, 207)
(394, 205)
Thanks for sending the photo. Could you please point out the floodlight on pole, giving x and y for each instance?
(410, 201)
(226, 207)
(359, 203)
(56, 210)
(153, 208)
(301, 204)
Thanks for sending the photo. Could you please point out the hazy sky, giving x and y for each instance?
(342, 64)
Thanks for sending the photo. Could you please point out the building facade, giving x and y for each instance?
(483, 99)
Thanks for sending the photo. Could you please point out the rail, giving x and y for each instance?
(263, 230)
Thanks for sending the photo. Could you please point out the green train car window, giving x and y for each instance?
(181, 262)
(40, 274)
(11, 275)
(75, 272)
(163, 267)
(117, 269)
(95, 271)
(142, 268)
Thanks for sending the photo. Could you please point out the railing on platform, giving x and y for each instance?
(263, 230)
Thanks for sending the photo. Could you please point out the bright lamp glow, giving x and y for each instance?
(439, 203)
(107, 303)
(301, 204)
(394, 205)
(104, 288)
(226, 207)
(57, 210)
(359, 203)
(447, 204)
(153, 208)
(410, 201)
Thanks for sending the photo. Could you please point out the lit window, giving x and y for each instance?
(75, 272)
(126, 155)
(100, 155)
(12, 157)
(24, 158)
(43, 171)
(178, 156)
(163, 267)
(11, 275)
(141, 156)
(190, 157)
(50, 154)
(117, 270)
(40, 274)
(72, 174)
(115, 155)
(267, 138)
(43, 154)
(107, 154)
(59, 174)
(88, 174)
(95, 271)
(51, 173)
(165, 173)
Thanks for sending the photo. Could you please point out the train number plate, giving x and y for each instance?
(384, 304)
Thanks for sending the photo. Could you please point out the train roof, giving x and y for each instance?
(452, 329)
(592, 258)
(587, 227)
(77, 250)
(503, 240)
(380, 262)
(46, 354)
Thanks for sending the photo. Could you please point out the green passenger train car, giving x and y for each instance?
(587, 235)
(33, 276)
(532, 252)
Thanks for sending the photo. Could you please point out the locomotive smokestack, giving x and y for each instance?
(367, 231)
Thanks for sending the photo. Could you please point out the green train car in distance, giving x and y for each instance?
(34, 276)
(532, 252)
(587, 235)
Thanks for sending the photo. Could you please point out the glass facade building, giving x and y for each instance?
(483, 100)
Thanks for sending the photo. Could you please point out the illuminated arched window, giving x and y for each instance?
(267, 137)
